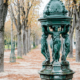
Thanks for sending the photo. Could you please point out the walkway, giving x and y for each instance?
(28, 67)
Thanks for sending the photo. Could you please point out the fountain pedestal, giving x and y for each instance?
(55, 17)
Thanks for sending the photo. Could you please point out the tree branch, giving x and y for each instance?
(12, 16)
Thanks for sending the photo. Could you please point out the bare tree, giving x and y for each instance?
(74, 12)
(26, 32)
(75, 25)
(16, 20)
(71, 13)
(71, 31)
(26, 21)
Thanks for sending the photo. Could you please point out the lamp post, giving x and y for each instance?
(55, 17)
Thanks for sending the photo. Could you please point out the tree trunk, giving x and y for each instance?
(1, 51)
(26, 42)
(37, 41)
(78, 36)
(29, 41)
(12, 55)
(19, 45)
(16, 40)
(8, 44)
(71, 32)
(34, 41)
(71, 46)
(11, 33)
(22, 41)
(3, 13)
(77, 46)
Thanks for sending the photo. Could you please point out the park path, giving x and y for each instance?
(27, 68)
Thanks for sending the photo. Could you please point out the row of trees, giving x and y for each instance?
(10, 31)
(23, 15)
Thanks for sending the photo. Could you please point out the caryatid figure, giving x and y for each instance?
(44, 45)
(56, 42)
(66, 44)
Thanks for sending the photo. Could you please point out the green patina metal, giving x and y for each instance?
(55, 14)
(44, 45)
(55, 17)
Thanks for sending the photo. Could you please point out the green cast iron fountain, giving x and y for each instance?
(55, 17)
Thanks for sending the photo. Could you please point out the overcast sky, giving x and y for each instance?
(43, 4)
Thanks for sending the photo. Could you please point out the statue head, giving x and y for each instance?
(55, 28)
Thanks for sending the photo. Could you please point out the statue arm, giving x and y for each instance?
(64, 30)
(50, 32)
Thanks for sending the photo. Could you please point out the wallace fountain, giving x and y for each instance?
(55, 18)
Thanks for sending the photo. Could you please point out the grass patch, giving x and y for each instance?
(34, 47)
(18, 57)
(8, 47)
(70, 58)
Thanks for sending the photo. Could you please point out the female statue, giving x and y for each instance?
(56, 42)
(66, 45)
(44, 45)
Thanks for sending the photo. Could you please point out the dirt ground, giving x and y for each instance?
(27, 68)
